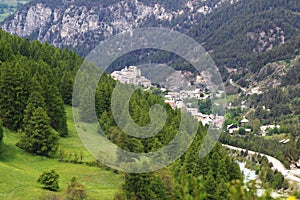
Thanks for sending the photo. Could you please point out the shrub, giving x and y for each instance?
(49, 180)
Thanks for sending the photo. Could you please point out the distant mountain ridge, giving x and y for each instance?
(235, 32)
(82, 24)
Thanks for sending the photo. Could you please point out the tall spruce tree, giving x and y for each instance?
(53, 100)
(66, 87)
(38, 136)
(14, 93)
(35, 101)
(1, 132)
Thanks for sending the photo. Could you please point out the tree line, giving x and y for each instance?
(36, 81)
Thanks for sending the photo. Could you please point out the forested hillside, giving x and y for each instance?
(254, 43)
(189, 177)
(238, 34)
(35, 80)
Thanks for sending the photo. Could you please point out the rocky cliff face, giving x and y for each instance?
(81, 25)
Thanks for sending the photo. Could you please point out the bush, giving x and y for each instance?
(242, 131)
(76, 191)
(49, 180)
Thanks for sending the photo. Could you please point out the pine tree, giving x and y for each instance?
(66, 87)
(35, 100)
(38, 137)
(53, 100)
(49, 179)
(1, 132)
(14, 94)
(144, 186)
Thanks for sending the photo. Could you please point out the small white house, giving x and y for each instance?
(232, 128)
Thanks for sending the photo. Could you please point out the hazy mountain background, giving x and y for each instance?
(245, 37)
(234, 31)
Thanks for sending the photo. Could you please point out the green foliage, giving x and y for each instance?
(49, 180)
(38, 137)
(30, 66)
(14, 93)
(242, 131)
(27, 168)
(76, 191)
(8, 7)
(259, 144)
(270, 179)
(232, 44)
(53, 100)
(205, 106)
(144, 186)
(35, 101)
(1, 132)
(193, 178)
(86, 111)
(239, 192)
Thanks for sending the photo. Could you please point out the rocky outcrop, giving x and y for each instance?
(82, 25)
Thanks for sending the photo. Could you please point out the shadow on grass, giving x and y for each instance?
(7, 152)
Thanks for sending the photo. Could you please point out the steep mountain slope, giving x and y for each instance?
(236, 32)
(82, 24)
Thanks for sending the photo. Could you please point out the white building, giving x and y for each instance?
(131, 75)
(264, 129)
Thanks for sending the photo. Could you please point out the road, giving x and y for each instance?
(288, 174)
(236, 85)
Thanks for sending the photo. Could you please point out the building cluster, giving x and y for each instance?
(232, 128)
(264, 129)
(205, 119)
(131, 75)
(175, 99)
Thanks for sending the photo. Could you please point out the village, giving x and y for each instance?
(189, 100)
(183, 99)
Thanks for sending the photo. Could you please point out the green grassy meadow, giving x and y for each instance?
(19, 170)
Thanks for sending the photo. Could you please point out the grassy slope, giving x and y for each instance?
(20, 170)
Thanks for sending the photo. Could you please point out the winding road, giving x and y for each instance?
(288, 174)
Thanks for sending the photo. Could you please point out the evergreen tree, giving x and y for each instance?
(53, 100)
(49, 179)
(38, 137)
(66, 87)
(14, 94)
(1, 132)
(76, 191)
(144, 186)
(35, 100)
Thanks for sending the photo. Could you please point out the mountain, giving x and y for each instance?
(238, 33)
(81, 25)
